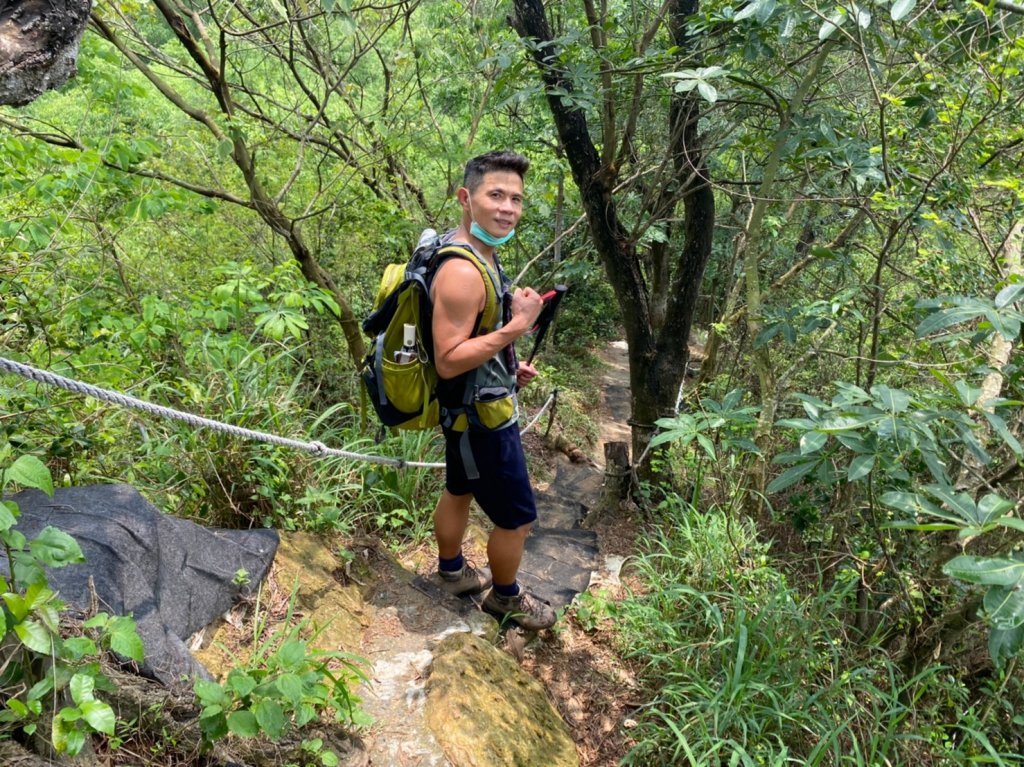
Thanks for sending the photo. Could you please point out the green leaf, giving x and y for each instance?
(243, 723)
(901, 8)
(29, 471)
(913, 504)
(271, 718)
(1000, 428)
(812, 442)
(77, 648)
(82, 686)
(1011, 294)
(860, 467)
(292, 654)
(55, 548)
(891, 400)
(34, 636)
(8, 515)
(99, 715)
(961, 503)
(124, 638)
(964, 312)
(291, 688)
(707, 91)
(831, 25)
(17, 707)
(1004, 644)
(66, 738)
(792, 475)
(210, 693)
(748, 10)
(1011, 522)
(241, 683)
(988, 571)
(1005, 607)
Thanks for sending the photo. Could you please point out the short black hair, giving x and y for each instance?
(480, 166)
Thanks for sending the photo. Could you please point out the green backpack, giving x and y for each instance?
(400, 378)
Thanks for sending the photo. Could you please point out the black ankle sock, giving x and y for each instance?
(451, 565)
(507, 591)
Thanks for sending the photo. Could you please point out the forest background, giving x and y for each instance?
(824, 197)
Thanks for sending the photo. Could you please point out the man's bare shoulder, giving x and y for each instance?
(458, 275)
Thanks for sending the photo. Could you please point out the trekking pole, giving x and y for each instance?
(547, 315)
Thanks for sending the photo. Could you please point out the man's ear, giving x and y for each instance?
(463, 196)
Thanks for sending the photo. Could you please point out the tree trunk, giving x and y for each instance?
(38, 46)
(750, 246)
(658, 352)
(998, 356)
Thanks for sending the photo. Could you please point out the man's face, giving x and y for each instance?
(497, 203)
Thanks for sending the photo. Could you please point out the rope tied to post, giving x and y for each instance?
(317, 449)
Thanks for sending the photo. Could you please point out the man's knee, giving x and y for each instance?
(517, 534)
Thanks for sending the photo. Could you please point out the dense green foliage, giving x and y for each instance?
(49, 677)
(200, 217)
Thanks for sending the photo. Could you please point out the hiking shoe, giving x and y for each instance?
(468, 580)
(524, 609)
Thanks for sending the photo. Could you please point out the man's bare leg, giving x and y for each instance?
(451, 516)
(505, 552)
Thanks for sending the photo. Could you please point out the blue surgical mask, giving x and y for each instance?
(484, 236)
(489, 239)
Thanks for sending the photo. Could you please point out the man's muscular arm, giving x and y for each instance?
(458, 293)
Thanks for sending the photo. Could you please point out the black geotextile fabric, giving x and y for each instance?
(173, 576)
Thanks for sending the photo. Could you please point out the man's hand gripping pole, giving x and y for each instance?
(551, 301)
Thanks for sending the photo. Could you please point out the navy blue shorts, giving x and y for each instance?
(503, 490)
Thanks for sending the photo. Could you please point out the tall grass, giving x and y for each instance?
(744, 669)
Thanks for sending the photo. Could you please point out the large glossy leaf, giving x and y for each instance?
(960, 504)
(860, 467)
(792, 475)
(988, 571)
(1005, 607)
(831, 24)
(1004, 644)
(965, 311)
(891, 400)
(82, 686)
(812, 442)
(1009, 295)
(901, 8)
(99, 715)
(34, 636)
(915, 504)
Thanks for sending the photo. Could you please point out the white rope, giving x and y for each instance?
(553, 396)
(318, 449)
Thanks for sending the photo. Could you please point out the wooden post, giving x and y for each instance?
(617, 474)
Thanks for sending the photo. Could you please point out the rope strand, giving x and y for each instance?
(317, 449)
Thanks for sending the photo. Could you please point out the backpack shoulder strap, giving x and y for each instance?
(492, 289)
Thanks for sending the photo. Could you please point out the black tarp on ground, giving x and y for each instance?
(172, 575)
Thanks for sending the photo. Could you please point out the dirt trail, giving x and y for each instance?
(561, 559)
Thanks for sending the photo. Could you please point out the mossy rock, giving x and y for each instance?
(485, 711)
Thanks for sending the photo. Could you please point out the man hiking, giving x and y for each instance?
(479, 374)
